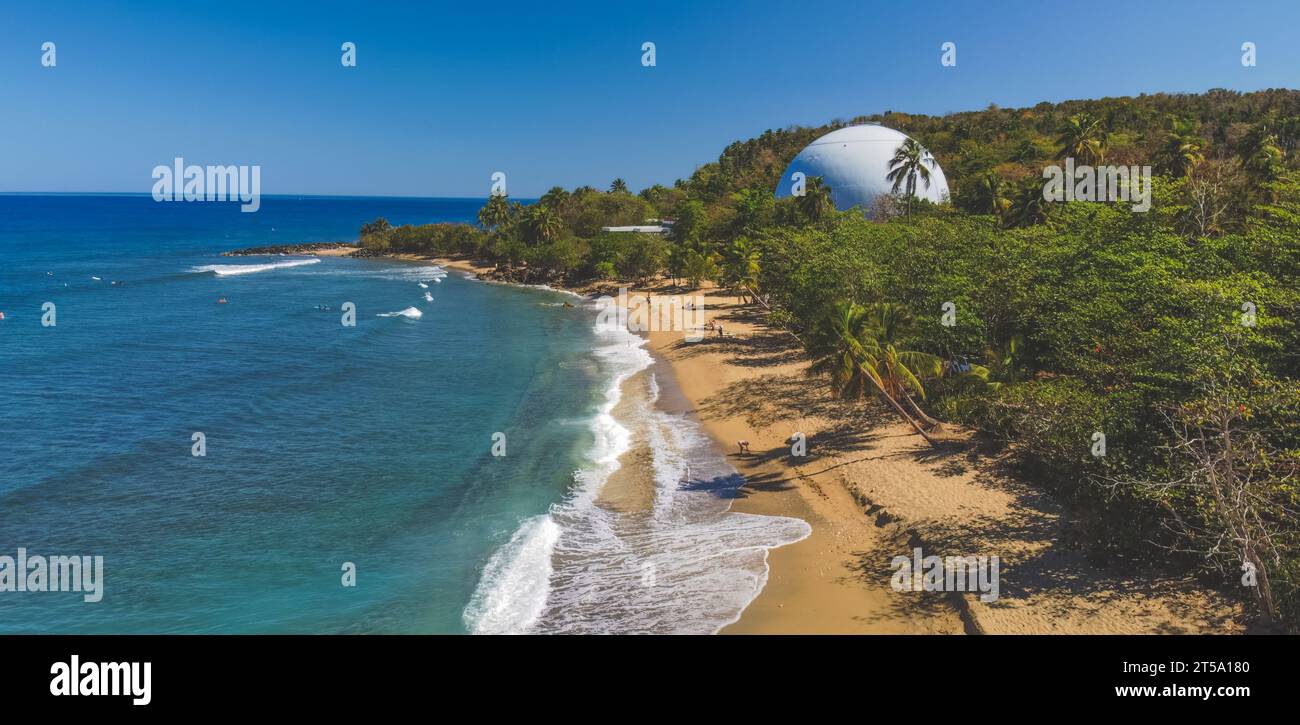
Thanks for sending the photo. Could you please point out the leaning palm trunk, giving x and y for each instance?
(919, 413)
(866, 372)
(898, 407)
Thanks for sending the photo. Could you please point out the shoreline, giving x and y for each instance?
(870, 489)
(812, 585)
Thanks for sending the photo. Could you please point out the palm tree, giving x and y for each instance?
(1083, 138)
(699, 266)
(1261, 156)
(740, 267)
(1181, 151)
(910, 162)
(991, 195)
(495, 212)
(902, 371)
(1004, 363)
(541, 224)
(844, 344)
(554, 197)
(1029, 205)
(1288, 134)
(816, 202)
(618, 187)
(378, 226)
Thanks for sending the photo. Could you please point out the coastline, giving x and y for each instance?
(814, 585)
(870, 490)
(811, 586)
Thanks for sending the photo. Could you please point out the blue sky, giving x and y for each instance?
(445, 94)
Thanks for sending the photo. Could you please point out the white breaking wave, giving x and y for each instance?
(512, 592)
(518, 603)
(688, 565)
(225, 270)
(399, 273)
(409, 313)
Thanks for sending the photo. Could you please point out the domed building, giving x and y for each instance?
(854, 161)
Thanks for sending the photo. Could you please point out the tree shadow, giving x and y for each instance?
(1041, 557)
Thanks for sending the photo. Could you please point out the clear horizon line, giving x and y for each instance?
(264, 196)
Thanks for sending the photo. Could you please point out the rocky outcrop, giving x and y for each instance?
(311, 248)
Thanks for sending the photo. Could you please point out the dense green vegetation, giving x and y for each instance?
(1173, 333)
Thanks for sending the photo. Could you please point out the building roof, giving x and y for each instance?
(645, 229)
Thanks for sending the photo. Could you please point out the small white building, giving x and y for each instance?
(663, 228)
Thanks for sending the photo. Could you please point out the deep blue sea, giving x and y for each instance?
(328, 444)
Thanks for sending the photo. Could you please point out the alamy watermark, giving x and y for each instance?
(91, 679)
(1099, 183)
(38, 573)
(654, 313)
(179, 182)
(946, 574)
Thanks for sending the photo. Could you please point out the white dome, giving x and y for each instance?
(854, 161)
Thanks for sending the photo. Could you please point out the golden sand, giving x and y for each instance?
(872, 489)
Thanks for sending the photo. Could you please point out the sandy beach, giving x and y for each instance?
(871, 489)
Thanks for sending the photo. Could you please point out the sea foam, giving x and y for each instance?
(410, 313)
(513, 589)
(226, 270)
(687, 565)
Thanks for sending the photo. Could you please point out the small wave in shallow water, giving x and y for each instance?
(409, 313)
(226, 270)
(376, 270)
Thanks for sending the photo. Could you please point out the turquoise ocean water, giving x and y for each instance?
(329, 444)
